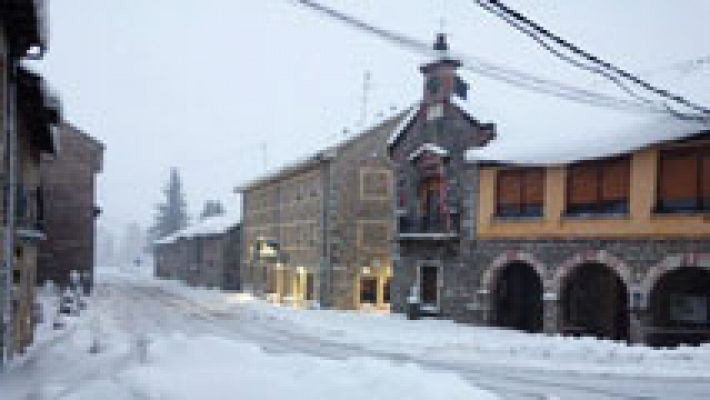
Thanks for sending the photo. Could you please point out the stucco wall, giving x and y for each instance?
(640, 222)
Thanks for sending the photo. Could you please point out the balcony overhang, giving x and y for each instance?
(39, 112)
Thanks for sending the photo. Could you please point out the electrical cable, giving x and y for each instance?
(510, 76)
(577, 50)
(490, 70)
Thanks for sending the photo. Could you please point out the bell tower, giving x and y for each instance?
(440, 79)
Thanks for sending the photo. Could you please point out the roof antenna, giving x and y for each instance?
(366, 87)
(264, 158)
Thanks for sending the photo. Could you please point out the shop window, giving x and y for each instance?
(520, 192)
(368, 290)
(599, 187)
(684, 180)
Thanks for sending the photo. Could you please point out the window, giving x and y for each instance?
(374, 184)
(368, 290)
(599, 187)
(520, 192)
(684, 180)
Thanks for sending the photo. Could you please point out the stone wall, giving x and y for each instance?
(455, 133)
(359, 216)
(216, 267)
(638, 263)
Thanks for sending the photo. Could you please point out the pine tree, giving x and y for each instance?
(171, 214)
(211, 208)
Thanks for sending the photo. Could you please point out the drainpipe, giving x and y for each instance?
(11, 188)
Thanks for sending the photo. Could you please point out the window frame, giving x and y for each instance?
(538, 211)
(599, 207)
(702, 205)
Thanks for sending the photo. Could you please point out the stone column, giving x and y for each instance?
(637, 323)
(551, 313)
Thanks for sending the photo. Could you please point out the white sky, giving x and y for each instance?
(200, 85)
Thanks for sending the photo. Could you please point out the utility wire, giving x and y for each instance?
(513, 77)
(577, 50)
(606, 74)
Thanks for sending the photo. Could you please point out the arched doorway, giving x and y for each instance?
(680, 308)
(518, 298)
(595, 302)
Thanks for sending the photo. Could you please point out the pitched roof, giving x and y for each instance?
(313, 159)
(552, 131)
(212, 226)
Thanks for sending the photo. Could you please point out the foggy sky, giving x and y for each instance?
(201, 85)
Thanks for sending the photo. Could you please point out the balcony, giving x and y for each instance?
(429, 227)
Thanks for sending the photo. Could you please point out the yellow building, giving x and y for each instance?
(617, 246)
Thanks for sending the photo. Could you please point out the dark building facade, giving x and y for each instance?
(69, 192)
(613, 245)
(28, 116)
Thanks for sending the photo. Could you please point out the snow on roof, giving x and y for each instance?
(590, 144)
(211, 226)
(404, 124)
(322, 155)
(289, 167)
(430, 147)
(535, 129)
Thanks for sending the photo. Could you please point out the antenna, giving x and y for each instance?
(366, 87)
(264, 158)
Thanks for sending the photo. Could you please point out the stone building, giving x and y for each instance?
(616, 246)
(435, 188)
(70, 210)
(206, 254)
(28, 115)
(319, 230)
(610, 239)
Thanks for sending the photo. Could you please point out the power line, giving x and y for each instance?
(577, 50)
(606, 74)
(485, 68)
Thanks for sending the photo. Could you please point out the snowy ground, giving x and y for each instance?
(206, 344)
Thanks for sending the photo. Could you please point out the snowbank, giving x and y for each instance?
(448, 341)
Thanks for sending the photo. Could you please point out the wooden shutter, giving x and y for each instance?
(583, 184)
(509, 193)
(615, 179)
(679, 176)
(533, 186)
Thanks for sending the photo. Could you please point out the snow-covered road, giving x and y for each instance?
(124, 308)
